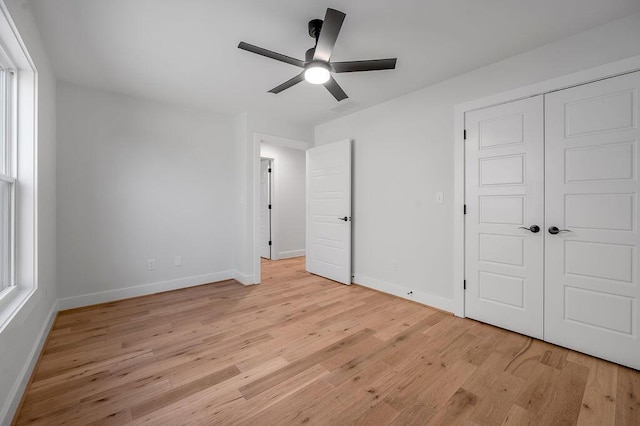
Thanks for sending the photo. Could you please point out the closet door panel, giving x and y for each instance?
(592, 287)
(504, 195)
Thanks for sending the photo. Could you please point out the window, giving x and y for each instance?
(7, 178)
(18, 177)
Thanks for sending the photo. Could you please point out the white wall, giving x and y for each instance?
(139, 180)
(403, 154)
(288, 199)
(20, 340)
(241, 161)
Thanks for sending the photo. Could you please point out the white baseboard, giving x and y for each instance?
(15, 394)
(292, 253)
(438, 302)
(244, 278)
(141, 290)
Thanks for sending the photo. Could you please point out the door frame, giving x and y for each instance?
(590, 75)
(273, 253)
(259, 138)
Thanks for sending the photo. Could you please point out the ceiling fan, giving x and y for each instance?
(317, 65)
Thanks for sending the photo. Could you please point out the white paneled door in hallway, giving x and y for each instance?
(592, 286)
(504, 202)
(265, 208)
(328, 239)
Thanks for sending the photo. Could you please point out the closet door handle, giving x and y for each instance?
(553, 230)
(533, 228)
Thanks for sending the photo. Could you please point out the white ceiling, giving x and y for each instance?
(185, 51)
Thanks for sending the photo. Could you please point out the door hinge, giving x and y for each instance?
(269, 242)
(465, 209)
(464, 134)
(464, 284)
(269, 170)
(269, 206)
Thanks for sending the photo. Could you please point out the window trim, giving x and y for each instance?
(23, 169)
(8, 169)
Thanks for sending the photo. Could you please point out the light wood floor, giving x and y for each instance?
(301, 349)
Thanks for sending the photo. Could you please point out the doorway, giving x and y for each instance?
(283, 190)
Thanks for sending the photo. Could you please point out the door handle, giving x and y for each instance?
(346, 219)
(553, 230)
(533, 228)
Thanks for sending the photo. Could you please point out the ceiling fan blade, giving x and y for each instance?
(291, 82)
(328, 35)
(370, 65)
(335, 89)
(269, 54)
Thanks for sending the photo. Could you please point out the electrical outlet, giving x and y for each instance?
(151, 264)
(394, 265)
(177, 261)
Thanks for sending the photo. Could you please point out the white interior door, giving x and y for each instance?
(592, 285)
(328, 239)
(265, 208)
(504, 193)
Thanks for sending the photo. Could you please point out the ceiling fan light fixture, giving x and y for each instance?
(317, 73)
(317, 66)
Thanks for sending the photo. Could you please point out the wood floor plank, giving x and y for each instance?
(381, 414)
(303, 349)
(181, 392)
(457, 410)
(628, 397)
(274, 395)
(199, 407)
(566, 397)
(424, 399)
(598, 403)
(497, 399)
(267, 382)
(536, 394)
(518, 416)
(289, 411)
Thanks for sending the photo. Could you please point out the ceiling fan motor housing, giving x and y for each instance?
(315, 25)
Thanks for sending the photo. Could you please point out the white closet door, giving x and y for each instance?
(592, 285)
(504, 194)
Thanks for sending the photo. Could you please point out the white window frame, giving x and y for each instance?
(22, 173)
(7, 170)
